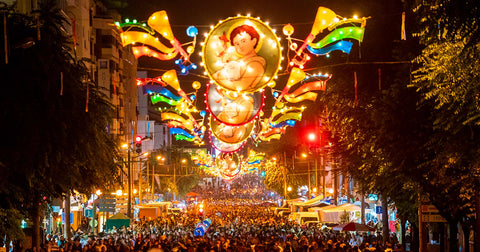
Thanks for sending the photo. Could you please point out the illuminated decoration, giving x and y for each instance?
(325, 19)
(232, 108)
(139, 51)
(185, 68)
(150, 89)
(228, 165)
(250, 64)
(340, 34)
(160, 98)
(230, 134)
(225, 147)
(299, 88)
(196, 85)
(241, 57)
(146, 43)
(344, 46)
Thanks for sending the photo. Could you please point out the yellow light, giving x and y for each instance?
(134, 191)
(304, 155)
(184, 160)
(315, 189)
(124, 146)
(330, 190)
(98, 192)
(289, 189)
(119, 192)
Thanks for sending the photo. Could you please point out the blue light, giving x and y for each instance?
(192, 97)
(275, 94)
(192, 31)
(203, 113)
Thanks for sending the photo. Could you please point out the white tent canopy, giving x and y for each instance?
(333, 213)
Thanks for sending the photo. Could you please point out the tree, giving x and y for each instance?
(447, 78)
(53, 145)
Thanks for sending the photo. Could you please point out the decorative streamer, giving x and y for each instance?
(88, 92)
(184, 138)
(61, 83)
(344, 46)
(290, 123)
(351, 32)
(149, 89)
(289, 116)
(310, 86)
(296, 75)
(5, 40)
(139, 51)
(306, 96)
(403, 35)
(133, 37)
(179, 131)
(281, 110)
(114, 86)
(74, 38)
(159, 98)
(355, 77)
(379, 79)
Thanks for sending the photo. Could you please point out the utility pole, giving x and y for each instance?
(129, 202)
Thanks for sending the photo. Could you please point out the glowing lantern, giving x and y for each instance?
(288, 30)
(196, 85)
(192, 31)
(190, 49)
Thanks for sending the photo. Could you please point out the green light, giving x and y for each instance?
(159, 98)
(127, 20)
(340, 34)
(182, 137)
(117, 23)
(134, 21)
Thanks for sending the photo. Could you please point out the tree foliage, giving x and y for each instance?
(52, 145)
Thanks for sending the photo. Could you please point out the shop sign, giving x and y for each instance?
(433, 218)
(429, 209)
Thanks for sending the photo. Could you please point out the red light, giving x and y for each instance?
(312, 137)
(138, 139)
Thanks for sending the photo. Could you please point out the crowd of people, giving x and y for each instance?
(236, 224)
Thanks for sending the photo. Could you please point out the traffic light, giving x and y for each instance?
(313, 137)
(138, 144)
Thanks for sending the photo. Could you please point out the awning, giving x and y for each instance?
(317, 201)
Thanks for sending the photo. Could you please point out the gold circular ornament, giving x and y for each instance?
(241, 54)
